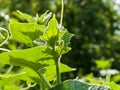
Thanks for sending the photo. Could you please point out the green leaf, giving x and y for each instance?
(44, 18)
(94, 81)
(77, 85)
(65, 37)
(31, 74)
(26, 32)
(103, 64)
(37, 58)
(39, 42)
(9, 87)
(36, 54)
(18, 16)
(112, 86)
(34, 58)
(51, 32)
(116, 78)
(27, 17)
(8, 79)
(63, 42)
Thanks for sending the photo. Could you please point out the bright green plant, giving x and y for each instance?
(46, 42)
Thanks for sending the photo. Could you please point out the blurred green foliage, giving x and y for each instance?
(95, 24)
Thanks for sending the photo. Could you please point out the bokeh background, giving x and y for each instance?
(95, 25)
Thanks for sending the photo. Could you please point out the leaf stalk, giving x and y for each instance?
(58, 70)
(44, 79)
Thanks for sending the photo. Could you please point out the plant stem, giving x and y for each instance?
(108, 78)
(57, 62)
(62, 10)
(43, 86)
(10, 68)
(44, 79)
(58, 70)
(3, 49)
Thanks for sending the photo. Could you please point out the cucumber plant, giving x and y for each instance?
(46, 42)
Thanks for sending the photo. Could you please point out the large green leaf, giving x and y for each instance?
(36, 58)
(26, 32)
(77, 85)
(27, 56)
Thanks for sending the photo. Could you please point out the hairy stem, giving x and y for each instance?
(108, 77)
(58, 70)
(44, 79)
(43, 86)
(62, 10)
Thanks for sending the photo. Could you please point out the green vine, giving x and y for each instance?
(62, 11)
(2, 29)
